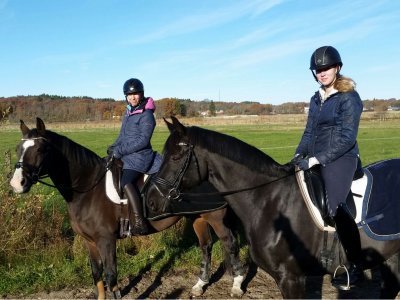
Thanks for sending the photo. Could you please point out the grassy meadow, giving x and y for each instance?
(39, 251)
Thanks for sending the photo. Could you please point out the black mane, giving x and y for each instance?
(80, 154)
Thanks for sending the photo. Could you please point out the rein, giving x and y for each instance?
(175, 194)
(226, 193)
(70, 188)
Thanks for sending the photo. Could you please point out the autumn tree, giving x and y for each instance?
(167, 107)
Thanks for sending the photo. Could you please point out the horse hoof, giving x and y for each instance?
(196, 291)
(236, 292)
(116, 294)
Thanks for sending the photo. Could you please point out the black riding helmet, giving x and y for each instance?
(323, 58)
(133, 85)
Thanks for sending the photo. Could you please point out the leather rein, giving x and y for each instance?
(34, 173)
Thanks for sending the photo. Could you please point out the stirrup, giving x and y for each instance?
(340, 286)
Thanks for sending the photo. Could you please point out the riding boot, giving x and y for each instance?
(349, 237)
(135, 202)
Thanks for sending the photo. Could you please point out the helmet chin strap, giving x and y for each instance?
(315, 76)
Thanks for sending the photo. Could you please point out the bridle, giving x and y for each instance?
(173, 188)
(173, 192)
(33, 173)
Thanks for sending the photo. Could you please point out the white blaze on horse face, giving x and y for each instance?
(16, 180)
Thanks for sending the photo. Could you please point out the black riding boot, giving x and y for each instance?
(135, 202)
(349, 236)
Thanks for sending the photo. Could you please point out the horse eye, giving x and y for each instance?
(176, 156)
(41, 150)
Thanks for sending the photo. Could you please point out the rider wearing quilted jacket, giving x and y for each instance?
(133, 147)
(329, 140)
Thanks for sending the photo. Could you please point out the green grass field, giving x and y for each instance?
(376, 141)
(28, 266)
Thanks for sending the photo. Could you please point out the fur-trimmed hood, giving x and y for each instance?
(344, 84)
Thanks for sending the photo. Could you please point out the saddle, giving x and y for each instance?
(317, 193)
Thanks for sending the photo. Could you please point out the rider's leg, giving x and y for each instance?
(128, 181)
(338, 177)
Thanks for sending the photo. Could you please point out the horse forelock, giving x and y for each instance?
(232, 149)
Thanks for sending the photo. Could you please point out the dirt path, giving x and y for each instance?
(257, 285)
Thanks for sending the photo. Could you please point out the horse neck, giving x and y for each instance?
(229, 174)
(72, 165)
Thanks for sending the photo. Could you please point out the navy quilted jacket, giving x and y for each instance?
(332, 127)
(133, 143)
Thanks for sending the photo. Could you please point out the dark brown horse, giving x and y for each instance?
(283, 238)
(78, 174)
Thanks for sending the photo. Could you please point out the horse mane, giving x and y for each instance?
(234, 149)
(80, 154)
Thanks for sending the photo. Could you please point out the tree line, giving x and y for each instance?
(54, 108)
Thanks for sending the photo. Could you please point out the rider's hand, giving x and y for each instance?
(110, 150)
(297, 158)
(307, 163)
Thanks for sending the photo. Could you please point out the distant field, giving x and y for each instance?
(277, 136)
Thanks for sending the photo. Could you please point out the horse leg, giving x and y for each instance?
(107, 249)
(390, 278)
(97, 270)
(291, 286)
(202, 231)
(231, 248)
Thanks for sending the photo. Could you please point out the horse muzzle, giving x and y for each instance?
(20, 183)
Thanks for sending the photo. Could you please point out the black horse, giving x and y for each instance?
(283, 238)
(78, 174)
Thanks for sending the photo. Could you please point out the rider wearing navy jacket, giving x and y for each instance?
(329, 140)
(133, 147)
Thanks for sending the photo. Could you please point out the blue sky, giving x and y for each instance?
(209, 49)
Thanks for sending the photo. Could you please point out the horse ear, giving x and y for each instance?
(178, 125)
(40, 126)
(169, 125)
(24, 128)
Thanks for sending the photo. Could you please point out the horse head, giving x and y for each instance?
(179, 171)
(31, 155)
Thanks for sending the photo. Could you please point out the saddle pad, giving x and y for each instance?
(381, 210)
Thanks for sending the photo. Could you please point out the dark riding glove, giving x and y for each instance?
(307, 163)
(110, 150)
(296, 159)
